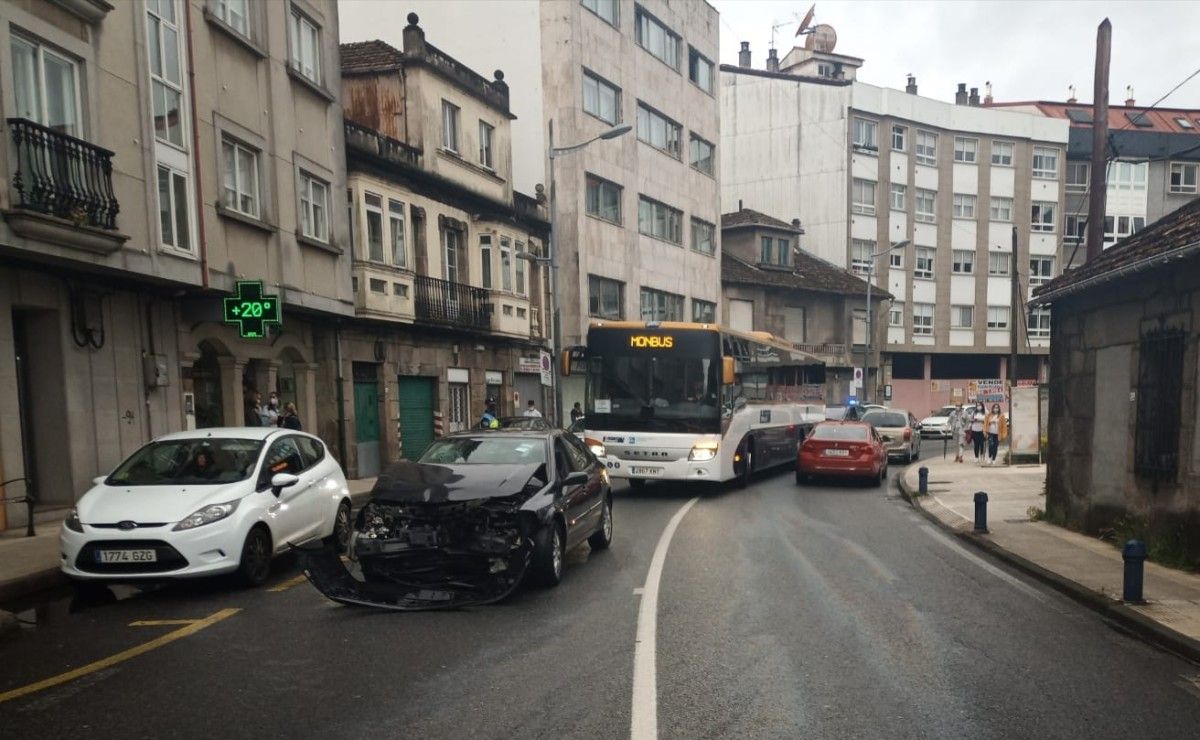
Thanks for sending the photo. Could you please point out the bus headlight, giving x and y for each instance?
(596, 446)
(703, 452)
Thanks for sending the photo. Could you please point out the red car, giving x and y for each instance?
(842, 448)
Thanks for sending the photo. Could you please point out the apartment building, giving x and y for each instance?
(866, 168)
(151, 160)
(449, 281)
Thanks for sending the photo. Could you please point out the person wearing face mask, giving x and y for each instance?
(958, 430)
(997, 429)
(271, 417)
(978, 417)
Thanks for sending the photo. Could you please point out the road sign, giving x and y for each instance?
(251, 310)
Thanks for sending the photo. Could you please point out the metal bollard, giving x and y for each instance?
(981, 512)
(1134, 555)
(923, 480)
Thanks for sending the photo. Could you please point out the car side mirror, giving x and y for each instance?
(576, 478)
(280, 481)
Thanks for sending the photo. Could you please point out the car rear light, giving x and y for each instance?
(907, 433)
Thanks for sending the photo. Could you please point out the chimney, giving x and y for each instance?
(414, 37)
(740, 204)
(796, 225)
(772, 61)
(974, 99)
(744, 55)
(911, 87)
(987, 93)
(961, 97)
(1071, 94)
(1129, 101)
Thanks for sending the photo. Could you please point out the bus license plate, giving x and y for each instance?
(837, 453)
(126, 556)
(645, 471)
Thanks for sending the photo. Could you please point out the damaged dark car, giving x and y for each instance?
(478, 513)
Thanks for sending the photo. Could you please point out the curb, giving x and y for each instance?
(42, 580)
(8, 625)
(1133, 622)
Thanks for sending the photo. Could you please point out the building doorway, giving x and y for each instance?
(41, 404)
(366, 418)
(529, 388)
(206, 385)
(416, 415)
(460, 407)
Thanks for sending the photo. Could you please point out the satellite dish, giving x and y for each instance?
(823, 38)
(804, 23)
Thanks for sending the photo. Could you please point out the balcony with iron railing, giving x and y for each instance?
(452, 304)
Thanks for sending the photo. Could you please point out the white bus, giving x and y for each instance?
(696, 402)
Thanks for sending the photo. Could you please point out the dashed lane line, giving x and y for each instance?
(124, 655)
(161, 622)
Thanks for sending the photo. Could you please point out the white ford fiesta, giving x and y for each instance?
(207, 502)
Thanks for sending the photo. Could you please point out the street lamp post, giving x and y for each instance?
(867, 385)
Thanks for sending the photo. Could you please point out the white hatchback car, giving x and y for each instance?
(207, 502)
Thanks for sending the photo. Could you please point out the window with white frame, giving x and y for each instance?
(607, 10)
(46, 86)
(1077, 176)
(863, 197)
(519, 268)
(896, 314)
(704, 237)
(1043, 216)
(658, 131)
(486, 132)
(235, 14)
(660, 220)
(1074, 228)
(485, 260)
(860, 256)
(240, 177)
(925, 205)
(373, 205)
(656, 38)
(997, 317)
(962, 317)
(602, 198)
(899, 196)
(506, 264)
(998, 263)
(174, 208)
(1045, 163)
(450, 126)
(965, 149)
(964, 205)
(963, 262)
(601, 98)
(899, 136)
(701, 155)
(923, 319)
(700, 70)
(396, 229)
(314, 207)
(305, 37)
(1127, 175)
(703, 312)
(1002, 209)
(1002, 153)
(926, 148)
(1183, 177)
(1119, 227)
(659, 305)
(606, 298)
(163, 52)
(451, 252)
(1039, 323)
(1041, 270)
(863, 134)
(924, 265)
(896, 259)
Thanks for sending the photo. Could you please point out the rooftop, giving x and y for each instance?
(1120, 117)
(749, 217)
(808, 273)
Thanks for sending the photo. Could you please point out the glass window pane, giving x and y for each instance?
(166, 224)
(182, 231)
(61, 114)
(170, 44)
(28, 91)
(154, 34)
(229, 176)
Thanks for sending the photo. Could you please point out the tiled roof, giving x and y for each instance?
(1159, 119)
(748, 217)
(370, 56)
(1168, 236)
(808, 273)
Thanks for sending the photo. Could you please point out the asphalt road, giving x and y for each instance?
(824, 611)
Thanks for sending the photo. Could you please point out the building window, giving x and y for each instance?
(305, 37)
(899, 134)
(925, 205)
(700, 155)
(923, 319)
(1075, 229)
(400, 290)
(374, 209)
(964, 206)
(896, 314)
(864, 134)
(506, 258)
(659, 305)
(660, 220)
(174, 208)
(485, 260)
(450, 113)
(396, 226)
(863, 197)
(774, 251)
(965, 149)
(998, 264)
(703, 312)
(1043, 216)
(603, 199)
(47, 87)
(896, 259)
(963, 262)
(607, 10)
(1002, 209)
(520, 268)
(1002, 153)
(1127, 175)
(606, 298)
(240, 176)
(654, 37)
(166, 78)
(658, 131)
(924, 265)
(766, 251)
(1045, 163)
(235, 14)
(962, 317)
(1041, 270)
(485, 144)
(1159, 402)
(704, 237)
(1077, 177)
(860, 256)
(1183, 177)
(1039, 323)
(1119, 227)
(899, 196)
(377, 286)
(601, 98)
(926, 149)
(314, 207)
(997, 317)
(700, 70)
(451, 252)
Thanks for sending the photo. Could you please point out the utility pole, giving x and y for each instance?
(1014, 312)
(1097, 184)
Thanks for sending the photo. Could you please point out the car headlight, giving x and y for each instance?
(72, 522)
(596, 446)
(207, 515)
(703, 451)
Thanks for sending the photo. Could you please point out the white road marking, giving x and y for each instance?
(643, 723)
(1010, 580)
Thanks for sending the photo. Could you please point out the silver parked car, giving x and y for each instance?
(899, 431)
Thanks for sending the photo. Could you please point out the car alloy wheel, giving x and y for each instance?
(341, 527)
(602, 537)
(556, 556)
(255, 566)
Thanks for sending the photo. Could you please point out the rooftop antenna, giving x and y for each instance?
(802, 30)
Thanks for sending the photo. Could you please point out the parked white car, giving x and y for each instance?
(207, 502)
(937, 424)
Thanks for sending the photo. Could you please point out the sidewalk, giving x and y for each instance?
(1083, 567)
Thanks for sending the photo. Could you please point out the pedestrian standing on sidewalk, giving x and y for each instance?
(290, 419)
(532, 411)
(958, 432)
(997, 429)
(978, 417)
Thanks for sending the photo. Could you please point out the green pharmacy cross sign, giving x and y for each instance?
(252, 310)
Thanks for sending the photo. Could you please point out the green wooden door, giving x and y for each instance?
(416, 415)
(366, 427)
